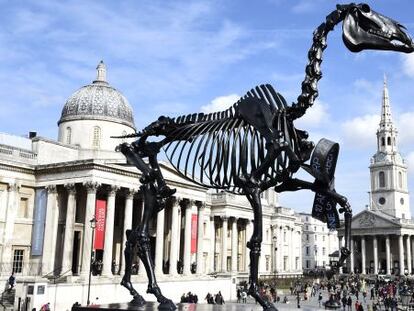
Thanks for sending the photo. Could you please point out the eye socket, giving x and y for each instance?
(365, 8)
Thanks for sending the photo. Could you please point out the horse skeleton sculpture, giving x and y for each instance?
(253, 146)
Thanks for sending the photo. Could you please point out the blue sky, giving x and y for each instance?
(176, 57)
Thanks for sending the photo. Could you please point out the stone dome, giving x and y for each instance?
(98, 101)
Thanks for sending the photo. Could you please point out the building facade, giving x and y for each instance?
(50, 191)
(318, 242)
(383, 234)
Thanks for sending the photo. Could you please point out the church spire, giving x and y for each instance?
(386, 133)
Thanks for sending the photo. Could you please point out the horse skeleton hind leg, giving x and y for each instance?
(297, 184)
(154, 201)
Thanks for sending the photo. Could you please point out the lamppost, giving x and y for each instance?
(93, 225)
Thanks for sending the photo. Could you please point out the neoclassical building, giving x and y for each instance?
(51, 190)
(382, 234)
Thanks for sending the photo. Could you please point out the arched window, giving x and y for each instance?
(96, 137)
(400, 179)
(389, 141)
(68, 135)
(382, 179)
(382, 141)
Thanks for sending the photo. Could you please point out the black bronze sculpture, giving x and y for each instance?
(253, 146)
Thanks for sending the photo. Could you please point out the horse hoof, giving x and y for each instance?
(167, 305)
(138, 301)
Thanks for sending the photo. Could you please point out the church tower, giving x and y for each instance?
(389, 189)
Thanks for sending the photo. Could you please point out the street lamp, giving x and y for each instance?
(93, 225)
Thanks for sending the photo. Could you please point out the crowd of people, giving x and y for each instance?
(189, 298)
(216, 299)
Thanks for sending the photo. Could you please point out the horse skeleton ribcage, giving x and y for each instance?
(212, 151)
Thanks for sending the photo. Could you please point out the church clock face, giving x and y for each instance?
(381, 200)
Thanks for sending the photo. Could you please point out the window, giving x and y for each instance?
(323, 251)
(382, 141)
(297, 263)
(307, 264)
(307, 218)
(316, 237)
(284, 236)
(381, 176)
(400, 179)
(22, 213)
(267, 263)
(307, 250)
(314, 228)
(18, 260)
(285, 262)
(68, 135)
(323, 238)
(307, 237)
(307, 227)
(389, 141)
(96, 137)
(205, 229)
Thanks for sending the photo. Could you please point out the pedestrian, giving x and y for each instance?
(357, 305)
(298, 300)
(349, 303)
(238, 295)
(12, 281)
(244, 296)
(320, 299)
(343, 300)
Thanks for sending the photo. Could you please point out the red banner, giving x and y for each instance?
(100, 215)
(194, 219)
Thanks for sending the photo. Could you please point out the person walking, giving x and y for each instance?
(244, 296)
(320, 298)
(11, 281)
(349, 303)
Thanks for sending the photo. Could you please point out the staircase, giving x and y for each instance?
(7, 299)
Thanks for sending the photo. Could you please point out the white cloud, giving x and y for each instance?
(314, 116)
(408, 65)
(220, 103)
(359, 132)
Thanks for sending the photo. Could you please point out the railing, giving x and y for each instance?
(24, 269)
(17, 152)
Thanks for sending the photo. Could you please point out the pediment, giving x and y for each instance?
(369, 220)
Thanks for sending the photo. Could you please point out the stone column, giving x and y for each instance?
(69, 228)
(187, 205)
(341, 241)
(91, 188)
(11, 211)
(109, 232)
(234, 245)
(224, 244)
(212, 243)
(375, 246)
(363, 255)
(128, 215)
(248, 236)
(351, 259)
(49, 242)
(174, 238)
(408, 246)
(401, 254)
(159, 242)
(200, 237)
(388, 254)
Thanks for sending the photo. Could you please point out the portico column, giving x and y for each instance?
(224, 245)
(69, 228)
(174, 238)
(363, 254)
(11, 210)
(375, 246)
(91, 188)
(401, 253)
(187, 205)
(200, 237)
(49, 243)
(234, 245)
(109, 232)
(408, 246)
(128, 215)
(341, 241)
(351, 259)
(388, 254)
(247, 250)
(159, 242)
(212, 243)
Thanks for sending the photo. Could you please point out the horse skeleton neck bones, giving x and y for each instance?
(253, 146)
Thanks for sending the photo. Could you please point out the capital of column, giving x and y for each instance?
(14, 186)
(130, 193)
(185, 203)
(112, 190)
(70, 188)
(224, 218)
(51, 188)
(200, 205)
(91, 186)
(235, 219)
